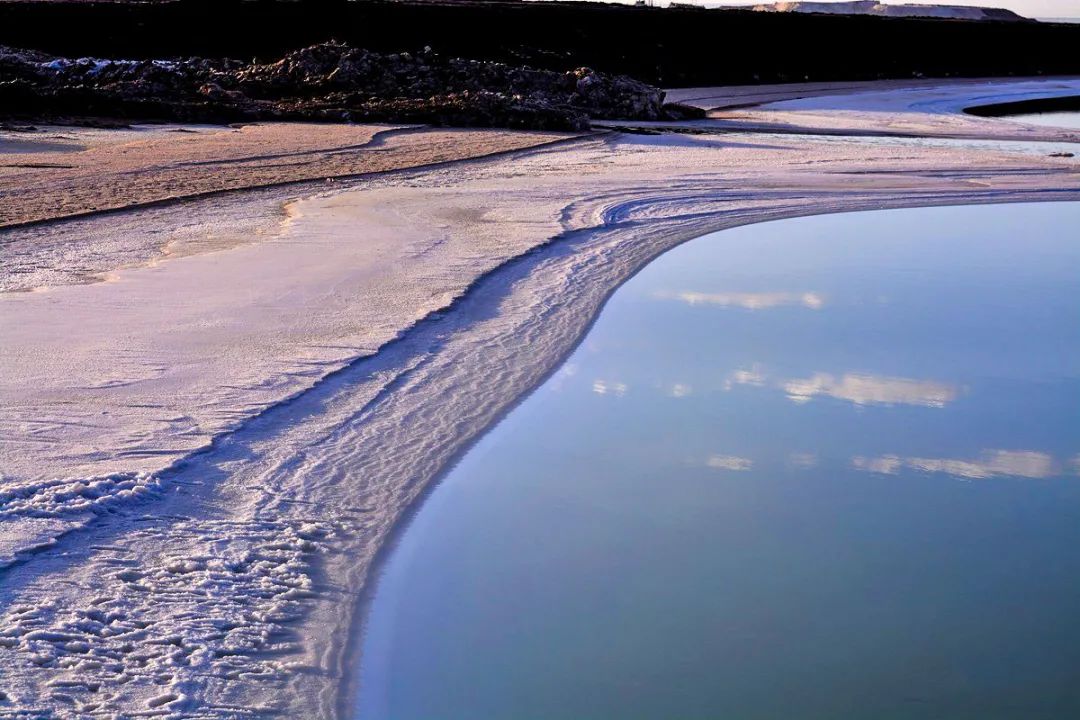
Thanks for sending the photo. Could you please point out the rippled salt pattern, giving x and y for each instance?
(818, 468)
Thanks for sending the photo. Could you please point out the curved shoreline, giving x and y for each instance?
(351, 655)
(388, 649)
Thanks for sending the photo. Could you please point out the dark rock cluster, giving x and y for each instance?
(326, 82)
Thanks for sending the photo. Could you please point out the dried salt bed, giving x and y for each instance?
(917, 108)
(59, 172)
(204, 452)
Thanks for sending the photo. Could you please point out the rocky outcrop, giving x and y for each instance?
(327, 82)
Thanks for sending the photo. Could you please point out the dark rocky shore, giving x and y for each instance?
(676, 46)
(521, 57)
(326, 82)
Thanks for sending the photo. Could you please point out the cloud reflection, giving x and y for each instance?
(992, 463)
(754, 376)
(747, 301)
(871, 390)
(729, 462)
(680, 390)
(606, 387)
(884, 465)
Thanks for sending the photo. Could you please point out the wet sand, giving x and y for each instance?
(210, 441)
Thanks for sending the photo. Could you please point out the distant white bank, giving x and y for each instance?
(872, 7)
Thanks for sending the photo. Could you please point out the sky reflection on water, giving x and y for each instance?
(816, 468)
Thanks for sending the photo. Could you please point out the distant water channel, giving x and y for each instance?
(819, 468)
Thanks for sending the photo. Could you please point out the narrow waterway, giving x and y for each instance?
(819, 468)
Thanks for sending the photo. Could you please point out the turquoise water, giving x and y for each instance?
(1053, 119)
(816, 468)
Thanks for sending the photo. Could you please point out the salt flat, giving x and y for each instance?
(66, 171)
(211, 429)
(895, 107)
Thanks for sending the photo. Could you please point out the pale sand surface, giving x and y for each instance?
(249, 420)
(80, 170)
(914, 107)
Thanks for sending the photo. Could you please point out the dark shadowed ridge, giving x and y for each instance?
(664, 46)
(327, 82)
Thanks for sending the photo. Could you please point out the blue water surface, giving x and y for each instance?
(815, 468)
